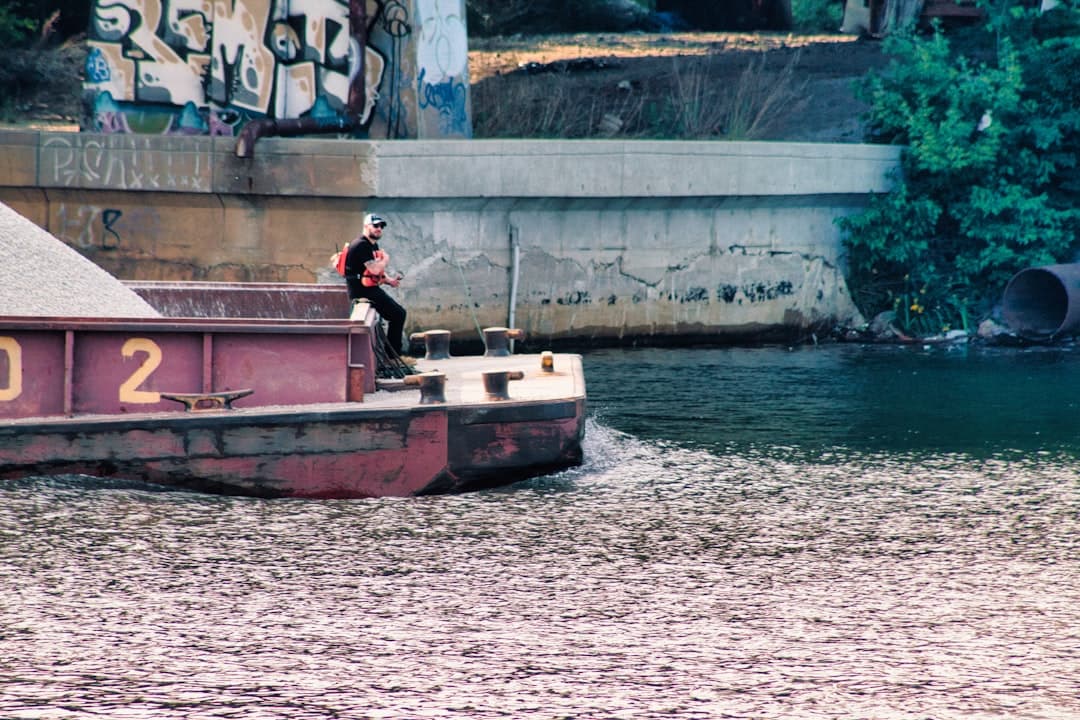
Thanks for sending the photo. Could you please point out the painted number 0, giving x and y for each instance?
(13, 387)
(128, 391)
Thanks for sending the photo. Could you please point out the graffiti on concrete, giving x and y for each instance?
(207, 67)
(442, 59)
(577, 297)
(692, 295)
(754, 292)
(109, 216)
(125, 163)
(396, 26)
(89, 226)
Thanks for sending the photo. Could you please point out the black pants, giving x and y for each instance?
(387, 308)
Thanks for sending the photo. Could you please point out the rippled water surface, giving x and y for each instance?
(835, 532)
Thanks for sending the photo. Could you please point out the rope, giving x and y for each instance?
(388, 363)
(468, 296)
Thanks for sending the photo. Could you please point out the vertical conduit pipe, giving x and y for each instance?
(515, 257)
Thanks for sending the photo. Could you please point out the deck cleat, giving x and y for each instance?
(436, 343)
(496, 383)
(497, 340)
(202, 402)
(432, 387)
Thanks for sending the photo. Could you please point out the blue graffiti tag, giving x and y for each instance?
(97, 69)
(448, 99)
(108, 219)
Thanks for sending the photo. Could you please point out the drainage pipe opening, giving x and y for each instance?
(1043, 302)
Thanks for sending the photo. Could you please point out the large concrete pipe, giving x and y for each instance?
(1043, 302)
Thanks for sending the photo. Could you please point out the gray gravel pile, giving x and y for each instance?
(41, 276)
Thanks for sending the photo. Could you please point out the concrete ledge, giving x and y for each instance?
(610, 168)
(298, 167)
(18, 158)
(321, 167)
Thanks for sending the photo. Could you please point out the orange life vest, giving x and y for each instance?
(370, 279)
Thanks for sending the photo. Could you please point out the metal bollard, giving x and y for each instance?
(497, 381)
(436, 343)
(432, 387)
(496, 340)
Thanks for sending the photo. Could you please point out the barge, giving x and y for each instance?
(277, 406)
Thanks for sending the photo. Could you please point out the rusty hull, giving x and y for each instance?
(91, 397)
(308, 452)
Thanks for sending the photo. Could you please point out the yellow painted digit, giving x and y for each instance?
(128, 392)
(10, 347)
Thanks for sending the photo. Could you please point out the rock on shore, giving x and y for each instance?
(41, 276)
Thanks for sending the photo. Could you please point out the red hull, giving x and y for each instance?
(303, 417)
(315, 452)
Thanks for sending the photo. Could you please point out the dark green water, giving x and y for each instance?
(836, 532)
(862, 398)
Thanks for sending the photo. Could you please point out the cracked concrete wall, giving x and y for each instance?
(599, 271)
(615, 240)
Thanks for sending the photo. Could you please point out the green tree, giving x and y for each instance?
(817, 16)
(15, 28)
(989, 182)
(41, 23)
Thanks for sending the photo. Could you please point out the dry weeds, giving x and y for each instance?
(689, 101)
(671, 85)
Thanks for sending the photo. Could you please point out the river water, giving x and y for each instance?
(833, 532)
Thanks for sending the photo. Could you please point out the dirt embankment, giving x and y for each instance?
(805, 84)
(632, 85)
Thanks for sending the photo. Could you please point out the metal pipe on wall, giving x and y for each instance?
(515, 265)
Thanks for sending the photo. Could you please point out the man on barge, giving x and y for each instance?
(365, 273)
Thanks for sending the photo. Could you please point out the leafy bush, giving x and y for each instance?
(25, 23)
(15, 30)
(990, 182)
(816, 16)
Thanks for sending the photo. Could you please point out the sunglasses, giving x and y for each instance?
(379, 225)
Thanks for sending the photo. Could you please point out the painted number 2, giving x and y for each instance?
(12, 388)
(128, 390)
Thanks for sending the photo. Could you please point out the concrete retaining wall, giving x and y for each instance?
(568, 240)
